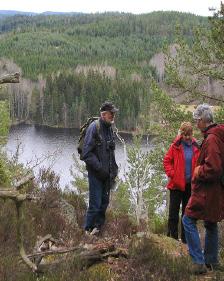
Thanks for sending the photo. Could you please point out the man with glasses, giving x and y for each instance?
(98, 154)
(207, 195)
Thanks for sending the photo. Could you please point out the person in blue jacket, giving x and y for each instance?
(99, 156)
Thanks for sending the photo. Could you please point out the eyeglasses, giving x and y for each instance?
(197, 120)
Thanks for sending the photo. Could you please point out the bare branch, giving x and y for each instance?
(20, 184)
(19, 198)
(12, 194)
(53, 252)
(20, 239)
(87, 254)
(47, 237)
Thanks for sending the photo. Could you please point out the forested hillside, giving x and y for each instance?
(48, 45)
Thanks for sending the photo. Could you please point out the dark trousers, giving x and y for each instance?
(177, 198)
(99, 195)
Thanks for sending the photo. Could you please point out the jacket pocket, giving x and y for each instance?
(197, 202)
(178, 181)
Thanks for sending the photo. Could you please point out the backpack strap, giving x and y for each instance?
(99, 137)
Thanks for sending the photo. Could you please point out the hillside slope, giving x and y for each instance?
(43, 44)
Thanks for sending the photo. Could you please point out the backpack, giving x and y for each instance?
(82, 133)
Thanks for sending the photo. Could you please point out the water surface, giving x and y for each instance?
(59, 144)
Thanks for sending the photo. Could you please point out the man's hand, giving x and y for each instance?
(196, 172)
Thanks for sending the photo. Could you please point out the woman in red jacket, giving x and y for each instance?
(179, 163)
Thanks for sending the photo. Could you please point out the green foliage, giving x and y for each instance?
(55, 43)
(119, 46)
(159, 224)
(4, 170)
(155, 194)
(197, 70)
(79, 179)
(69, 99)
(219, 115)
(4, 129)
(163, 122)
(4, 121)
(140, 192)
(165, 116)
(121, 199)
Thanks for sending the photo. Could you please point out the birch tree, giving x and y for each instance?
(143, 194)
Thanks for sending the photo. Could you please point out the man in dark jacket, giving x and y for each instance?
(207, 198)
(98, 154)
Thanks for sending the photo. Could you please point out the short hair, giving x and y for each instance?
(203, 112)
(186, 128)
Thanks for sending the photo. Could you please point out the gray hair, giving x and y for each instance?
(204, 112)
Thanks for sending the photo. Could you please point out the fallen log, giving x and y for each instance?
(20, 184)
(15, 195)
(86, 255)
(10, 78)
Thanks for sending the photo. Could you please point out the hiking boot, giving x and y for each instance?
(95, 231)
(214, 267)
(198, 269)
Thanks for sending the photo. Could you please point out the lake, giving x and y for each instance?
(59, 144)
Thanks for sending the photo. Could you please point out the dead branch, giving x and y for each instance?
(20, 184)
(44, 239)
(19, 198)
(10, 78)
(20, 239)
(87, 255)
(54, 252)
(15, 195)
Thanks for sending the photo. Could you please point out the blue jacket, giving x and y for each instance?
(98, 151)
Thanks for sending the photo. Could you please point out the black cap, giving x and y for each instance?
(108, 106)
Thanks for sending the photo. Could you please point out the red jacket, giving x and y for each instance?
(174, 163)
(207, 197)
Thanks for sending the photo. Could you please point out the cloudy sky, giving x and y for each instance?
(198, 7)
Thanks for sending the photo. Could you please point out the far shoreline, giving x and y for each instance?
(123, 133)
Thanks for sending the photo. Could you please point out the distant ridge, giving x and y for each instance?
(47, 13)
(8, 13)
(13, 13)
